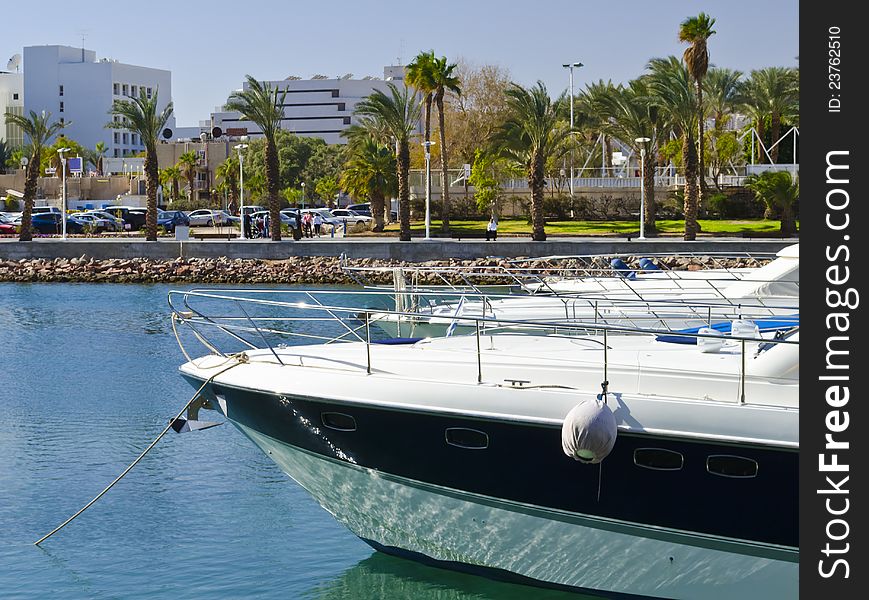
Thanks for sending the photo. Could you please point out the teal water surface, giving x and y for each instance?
(88, 377)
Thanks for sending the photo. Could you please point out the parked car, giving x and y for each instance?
(49, 223)
(7, 227)
(351, 216)
(249, 209)
(328, 217)
(206, 217)
(365, 209)
(230, 219)
(93, 222)
(117, 223)
(38, 210)
(133, 216)
(169, 219)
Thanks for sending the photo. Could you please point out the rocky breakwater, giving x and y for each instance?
(308, 270)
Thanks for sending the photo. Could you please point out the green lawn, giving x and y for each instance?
(521, 226)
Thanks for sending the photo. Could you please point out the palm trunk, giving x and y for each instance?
(701, 145)
(445, 178)
(775, 131)
(649, 185)
(190, 185)
(427, 148)
(26, 233)
(273, 191)
(403, 190)
(788, 224)
(535, 182)
(689, 158)
(152, 178)
(761, 136)
(378, 204)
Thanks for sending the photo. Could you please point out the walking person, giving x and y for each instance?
(266, 221)
(492, 230)
(318, 223)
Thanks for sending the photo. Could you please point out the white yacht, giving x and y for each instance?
(653, 298)
(452, 451)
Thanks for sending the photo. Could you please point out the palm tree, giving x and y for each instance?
(589, 101)
(696, 31)
(227, 172)
(100, 149)
(780, 194)
(188, 163)
(532, 133)
(264, 106)
(631, 113)
(140, 116)
(419, 74)
(39, 128)
(371, 173)
(721, 90)
(771, 93)
(670, 84)
(397, 116)
(171, 175)
(445, 81)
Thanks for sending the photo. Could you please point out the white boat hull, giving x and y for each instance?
(548, 547)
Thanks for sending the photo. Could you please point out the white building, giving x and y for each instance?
(316, 107)
(11, 100)
(75, 87)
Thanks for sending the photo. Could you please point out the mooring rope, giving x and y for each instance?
(240, 358)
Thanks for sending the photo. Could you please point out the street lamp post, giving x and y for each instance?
(642, 142)
(569, 67)
(427, 145)
(303, 195)
(61, 152)
(239, 148)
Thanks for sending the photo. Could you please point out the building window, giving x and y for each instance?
(134, 91)
(148, 93)
(61, 91)
(116, 89)
(61, 107)
(658, 459)
(126, 138)
(15, 96)
(134, 138)
(117, 138)
(116, 152)
(125, 89)
(61, 120)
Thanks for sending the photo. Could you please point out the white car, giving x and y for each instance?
(328, 217)
(98, 224)
(205, 217)
(351, 216)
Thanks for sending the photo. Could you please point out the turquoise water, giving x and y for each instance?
(88, 377)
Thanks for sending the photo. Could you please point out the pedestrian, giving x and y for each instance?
(246, 224)
(266, 221)
(492, 229)
(318, 223)
(306, 221)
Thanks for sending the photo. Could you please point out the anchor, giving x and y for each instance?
(192, 422)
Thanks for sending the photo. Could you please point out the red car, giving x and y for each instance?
(6, 227)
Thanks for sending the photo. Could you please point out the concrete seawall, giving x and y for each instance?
(384, 249)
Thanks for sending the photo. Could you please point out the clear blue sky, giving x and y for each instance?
(209, 46)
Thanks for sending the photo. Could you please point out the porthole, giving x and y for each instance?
(725, 465)
(338, 421)
(470, 439)
(658, 459)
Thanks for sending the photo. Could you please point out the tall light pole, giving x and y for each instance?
(427, 145)
(61, 152)
(642, 142)
(303, 195)
(569, 67)
(241, 147)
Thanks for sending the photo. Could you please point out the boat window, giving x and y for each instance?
(338, 421)
(467, 438)
(726, 465)
(658, 459)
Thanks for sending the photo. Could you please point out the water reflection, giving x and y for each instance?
(383, 576)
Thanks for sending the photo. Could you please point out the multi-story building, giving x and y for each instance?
(75, 87)
(317, 107)
(11, 100)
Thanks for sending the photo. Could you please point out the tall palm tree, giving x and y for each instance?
(589, 106)
(420, 75)
(670, 84)
(370, 172)
(100, 149)
(140, 115)
(39, 129)
(171, 175)
(188, 164)
(445, 81)
(532, 133)
(227, 172)
(771, 93)
(696, 31)
(780, 193)
(264, 106)
(631, 113)
(721, 91)
(397, 116)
